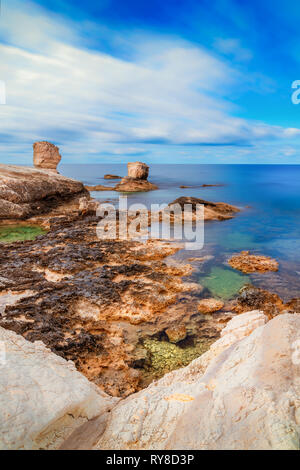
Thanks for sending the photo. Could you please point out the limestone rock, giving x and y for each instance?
(129, 184)
(248, 263)
(112, 177)
(210, 305)
(46, 155)
(138, 170)
(25, 192)
(212, 210)
(42, 397)
(176, 333)
(242, 394)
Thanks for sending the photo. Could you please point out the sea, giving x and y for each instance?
(268, 224)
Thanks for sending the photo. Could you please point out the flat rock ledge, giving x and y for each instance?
(25, 192)
(248, 263)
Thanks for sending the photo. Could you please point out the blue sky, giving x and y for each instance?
(174, 81)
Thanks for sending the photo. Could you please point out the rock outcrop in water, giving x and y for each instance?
(248, 263)
(137, 179)
(25, 192)
(46, 155)
(212, 210)
(243, 394)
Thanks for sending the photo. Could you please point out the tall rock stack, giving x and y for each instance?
(137, 179)
(46, 156)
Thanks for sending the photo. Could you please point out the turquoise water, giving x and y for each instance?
(269, 223)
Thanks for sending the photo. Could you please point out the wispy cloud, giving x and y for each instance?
(89, 102)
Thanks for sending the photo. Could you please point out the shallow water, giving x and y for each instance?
(269, 223)
(14, 233)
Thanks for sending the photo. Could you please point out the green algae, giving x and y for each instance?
(224, 283)
(165, 356)
(14, 233)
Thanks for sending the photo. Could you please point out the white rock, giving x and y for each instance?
(42, 397)
(242, 394)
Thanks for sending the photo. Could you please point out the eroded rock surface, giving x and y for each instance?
(25, 192)
(137, 179)
(242, 394)
(46, 155)
(138, 170)
(212, 210)
(248, 263)
(210, 305)
(42, 397)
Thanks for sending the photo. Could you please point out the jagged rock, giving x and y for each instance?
(46, 155)
(210, 305)
(138, 170)
(242, 394)
(248, 263)
(25, 192)
(42, 397)
(176, 333)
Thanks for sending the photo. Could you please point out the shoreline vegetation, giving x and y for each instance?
(126, 313)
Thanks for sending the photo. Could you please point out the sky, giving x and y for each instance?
(181, 81)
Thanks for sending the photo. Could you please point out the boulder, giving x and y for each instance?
(46, 155)
(138, 170)
(25, 192)
(42, 396)
(242, 394)
(176, 333)
(210, 305)
(129, 184)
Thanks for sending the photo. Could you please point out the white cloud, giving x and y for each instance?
(85, 100)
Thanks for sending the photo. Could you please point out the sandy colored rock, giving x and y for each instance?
(212, 210)
(129, 184)
(176, 333)
(25, 192)
(42, 397)
(210, 305)
(99, 187)
(138, 170)
(242, 394)
(112, 177)
(46, 155)
(248, 263)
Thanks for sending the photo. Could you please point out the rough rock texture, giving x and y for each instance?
(242, 394)
(212, 210)
(210, 305)
(99, 187)
(128, 184)
(248, 263)
(137, 179)
(25, 192)
(42, 397)
(138, 170)
(46, 155)
(176, 333)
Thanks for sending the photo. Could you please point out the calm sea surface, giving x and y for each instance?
(269, 223)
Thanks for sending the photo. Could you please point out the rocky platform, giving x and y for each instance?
(25, 191)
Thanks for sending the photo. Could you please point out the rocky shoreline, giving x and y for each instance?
(125, 315)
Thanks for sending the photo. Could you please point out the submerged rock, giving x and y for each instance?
(248, 263)
(46, 155)
(176, 333)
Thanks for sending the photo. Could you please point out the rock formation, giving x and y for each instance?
(112, 177)
(210, 305)
(242, 394)
(46, 155)
(138, 170)
(212, 210)
(136, 179)
(42, 397)
(248, 263)
(25, 192)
